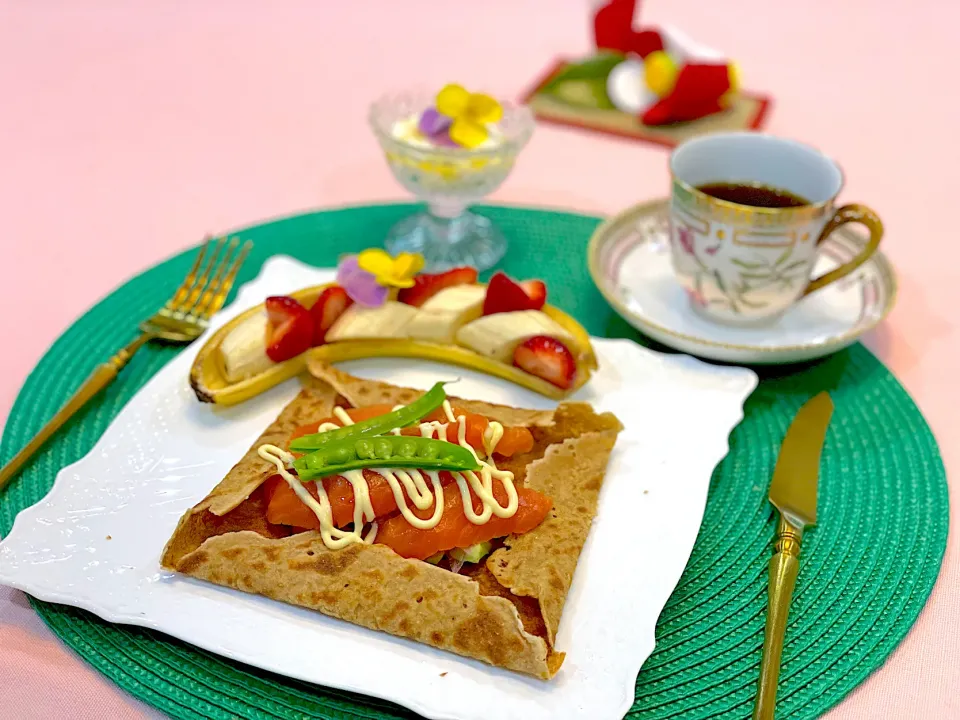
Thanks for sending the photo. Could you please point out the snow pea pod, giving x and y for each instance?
(387, 451)
(400, 418)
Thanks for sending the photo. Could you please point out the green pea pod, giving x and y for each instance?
(386, 451)
(407, 415)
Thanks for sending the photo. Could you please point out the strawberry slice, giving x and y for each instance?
(289, 328)
(425, 286)
(506, 295)
(536, 291)
(326, 310)
(547, 358)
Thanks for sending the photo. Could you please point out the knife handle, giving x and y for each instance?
(784, 566)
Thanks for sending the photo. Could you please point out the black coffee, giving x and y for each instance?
(754, 195)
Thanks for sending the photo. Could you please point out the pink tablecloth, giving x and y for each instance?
(127, 131)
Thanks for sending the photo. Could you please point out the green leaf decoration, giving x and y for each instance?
(596, 67)
(747, 265)
(784, 256)
(793, 266)
(583, 93)
(720, 283)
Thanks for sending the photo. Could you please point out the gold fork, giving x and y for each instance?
(181, 320)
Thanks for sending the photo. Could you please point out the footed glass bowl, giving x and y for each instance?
(449, 180)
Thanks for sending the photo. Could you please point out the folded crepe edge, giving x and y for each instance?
(315, 400)
(371, 586)
(541, 563)
(371, 392)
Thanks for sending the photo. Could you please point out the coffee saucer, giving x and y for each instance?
(629, 260)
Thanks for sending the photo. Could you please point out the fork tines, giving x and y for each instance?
(208, 283)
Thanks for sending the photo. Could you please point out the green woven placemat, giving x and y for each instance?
(866, 571)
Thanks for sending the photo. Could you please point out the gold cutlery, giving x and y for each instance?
(793, 491)
(180, 321)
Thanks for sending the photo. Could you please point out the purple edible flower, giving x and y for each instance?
(433, 122)
(443, 138)
(361, 286)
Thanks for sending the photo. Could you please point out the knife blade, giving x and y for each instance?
(793, 490)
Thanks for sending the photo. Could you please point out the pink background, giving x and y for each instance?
(128, 131)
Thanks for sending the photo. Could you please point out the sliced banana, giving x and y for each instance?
(439, 318)
(243, 351)
(390, 320)
(497, 336)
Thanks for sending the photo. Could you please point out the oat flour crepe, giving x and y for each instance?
(503, 610)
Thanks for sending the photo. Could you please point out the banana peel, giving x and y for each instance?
(209, 382)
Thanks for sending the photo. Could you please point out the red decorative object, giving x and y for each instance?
(688, 87)
(613, 25)
(696, 94)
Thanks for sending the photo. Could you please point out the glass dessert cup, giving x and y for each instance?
(448, 180)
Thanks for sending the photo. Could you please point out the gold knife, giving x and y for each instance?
(793, 491)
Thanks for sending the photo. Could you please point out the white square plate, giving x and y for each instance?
(95, 540)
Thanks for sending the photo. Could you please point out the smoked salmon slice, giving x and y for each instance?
(454, 529)
(476, 427)
(285, 508)
(513, 441)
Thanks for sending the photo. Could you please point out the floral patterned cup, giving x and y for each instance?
(745, 265)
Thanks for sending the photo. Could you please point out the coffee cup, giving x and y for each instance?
(748, 212)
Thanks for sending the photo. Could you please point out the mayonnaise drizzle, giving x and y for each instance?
(340, 414)
(405, 484)
(334, 538)
(491, 436)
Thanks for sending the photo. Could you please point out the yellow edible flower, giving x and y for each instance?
(395, 272)
(471, 112)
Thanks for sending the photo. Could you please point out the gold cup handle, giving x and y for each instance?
(848, 214)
